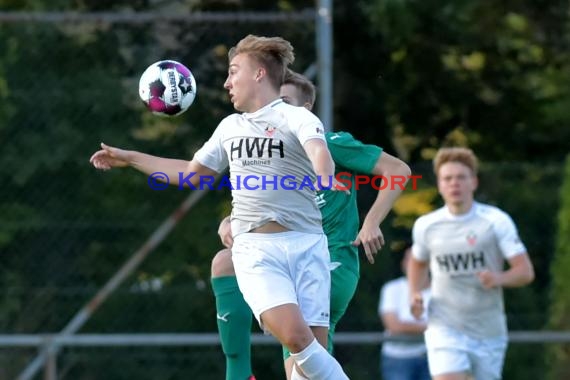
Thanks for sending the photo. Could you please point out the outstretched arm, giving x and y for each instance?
(396, 172)
(110, 157)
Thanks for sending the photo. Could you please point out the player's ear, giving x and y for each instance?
(308, 106)
(475, 182)
(260, 73)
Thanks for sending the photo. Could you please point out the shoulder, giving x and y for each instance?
(297, 114)
(492, 213)
(339, 137)
(430, 218)
(230, 120)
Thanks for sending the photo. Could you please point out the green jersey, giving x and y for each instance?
(339, 210)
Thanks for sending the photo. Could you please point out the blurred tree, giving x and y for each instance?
(493, 76)
(559, 300)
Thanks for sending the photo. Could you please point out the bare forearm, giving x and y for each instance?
(381, 206)
(148, 164)
(320, 157)
(417, 274)
(323, 165)
(407, 328)
(516, 277)
(396, 172)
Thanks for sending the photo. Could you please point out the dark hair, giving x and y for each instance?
(306, 87)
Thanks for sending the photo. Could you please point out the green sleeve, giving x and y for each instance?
(351, 153)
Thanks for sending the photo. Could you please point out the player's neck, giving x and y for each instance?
(263, 98)
(460, 208)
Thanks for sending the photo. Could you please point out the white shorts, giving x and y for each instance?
(274, 269)
(451, 351)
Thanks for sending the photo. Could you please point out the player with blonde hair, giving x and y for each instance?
(464, 245)
(340, 223)
(280, 253)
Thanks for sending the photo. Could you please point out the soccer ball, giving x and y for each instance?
(167, 88)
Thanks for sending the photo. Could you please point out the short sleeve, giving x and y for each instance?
(420, 249)
(351, 153)
(212, 153)
(308, 126)
(388, 299)
(507, 236)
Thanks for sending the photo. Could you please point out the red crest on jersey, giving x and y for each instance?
(471, 238)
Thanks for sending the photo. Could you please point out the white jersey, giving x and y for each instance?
(458, 247)
(270, 173)
(394, 298)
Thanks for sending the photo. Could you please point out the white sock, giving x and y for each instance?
(317, 364)
(295, 375)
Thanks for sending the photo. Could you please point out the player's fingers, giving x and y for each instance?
(111, 151)
(99, 164)
(377, 244)
(356, 242)
(369, 253)
(95, 156)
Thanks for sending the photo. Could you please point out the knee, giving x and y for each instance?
(297, 341)
(222, 264)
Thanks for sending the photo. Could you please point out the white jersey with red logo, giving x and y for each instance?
(268, 165)
(458, 247)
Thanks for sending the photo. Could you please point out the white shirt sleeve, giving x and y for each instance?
(212, 153)
(507, 235)
(420, 250)
(388, 299)
(307, 126)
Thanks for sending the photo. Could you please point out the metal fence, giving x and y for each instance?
(169, 356)
(75, 244)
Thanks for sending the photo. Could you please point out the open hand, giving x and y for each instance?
(109, 157)
(371, 239)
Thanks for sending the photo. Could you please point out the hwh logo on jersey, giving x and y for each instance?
(256, 147)
(466, 262)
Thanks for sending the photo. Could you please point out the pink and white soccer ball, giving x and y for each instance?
(167, 88)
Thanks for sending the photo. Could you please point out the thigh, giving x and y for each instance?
(262, 272)
(447, 352)
(343, 286)
(309, 262)
(487, 358)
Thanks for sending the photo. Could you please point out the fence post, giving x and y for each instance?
(50, 369)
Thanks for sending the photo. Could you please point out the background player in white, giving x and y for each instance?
(280, 253)
(465, 244)
(402, 360)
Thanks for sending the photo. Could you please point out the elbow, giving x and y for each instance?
(405, 170)
(529, 277)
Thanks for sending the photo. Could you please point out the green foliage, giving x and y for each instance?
(469, 73)
(409, 75)
(559, 358)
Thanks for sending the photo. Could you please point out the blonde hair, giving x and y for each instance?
(464, 156)
(303, 84)
(273, 53)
